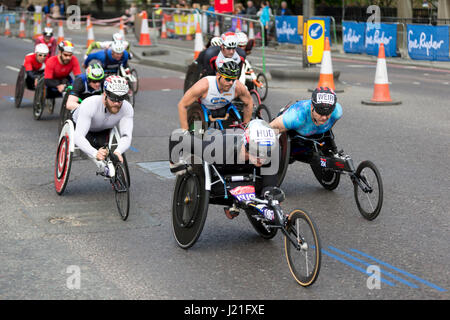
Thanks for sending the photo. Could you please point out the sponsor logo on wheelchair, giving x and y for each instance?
(219, 100)
(244, 193)
(323, 162)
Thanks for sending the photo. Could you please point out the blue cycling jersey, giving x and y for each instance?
(109, 64)
(298, 118)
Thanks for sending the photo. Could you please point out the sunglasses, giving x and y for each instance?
(95, 81)
(115, 98)
(229, 79)
(229, 48)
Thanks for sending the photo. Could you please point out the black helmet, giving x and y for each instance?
(323, 100)
(228, 69)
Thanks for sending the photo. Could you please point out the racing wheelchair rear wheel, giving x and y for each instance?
(192, 76)
(63, 161)
(20, 87)
(285, 153)
(64, 114)
(189, 207)
(262, 112)
(195, 114)
(39, 98)
(264, 89)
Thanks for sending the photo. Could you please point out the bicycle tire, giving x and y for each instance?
(311, 246)
(261, 77)
(329, 179)
(263, 112)
(63, 164)
(189, 208)
(39, 99)
(122, 190)
(378, 189)
(258, 226)
(20, 87)
(285, 153)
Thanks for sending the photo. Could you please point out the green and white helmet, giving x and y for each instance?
(95, 72)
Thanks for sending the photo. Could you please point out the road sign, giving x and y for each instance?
(315, 40)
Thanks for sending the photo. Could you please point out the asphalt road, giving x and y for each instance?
(46, 239)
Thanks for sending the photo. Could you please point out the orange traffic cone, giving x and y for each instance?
(90, 32)
(238, 25)
(198, 41)
(251, 32)
(7, 27)
(22, 27)
(163, 28)
(122, 28)
(326, 68)
(60, 31)
(216, 29)
(145, 35)
(37, 29)
(381, 95)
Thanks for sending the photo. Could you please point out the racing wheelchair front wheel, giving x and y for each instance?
(302, 248)
(189, 207)
(369, 190)
(20, 87)
(121, 190)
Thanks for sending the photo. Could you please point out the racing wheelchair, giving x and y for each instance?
(204, 184)
(20, 87)
(328, 166)
(67, 151)
(42, 99)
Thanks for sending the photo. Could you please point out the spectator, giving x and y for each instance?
(62, 8)
(239, 9)
(30, 7)
(46, 9)
(264, 16)
(2, 7)
(55, 10)
(211, 6)
(284, 10)
(38, 8)
(251, 9)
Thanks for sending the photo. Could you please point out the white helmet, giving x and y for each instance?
(242, 39)
(260, 140)
(41, 48)
(216, 42)
(48, 32)
(229, 40)
(118, 46)
(116, 86)
(118, 37)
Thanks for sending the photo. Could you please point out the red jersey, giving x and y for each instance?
(55, 70)
(51, 45)
(31, 64)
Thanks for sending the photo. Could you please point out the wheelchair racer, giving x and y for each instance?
(111, 59)
(107, 44)
(312, 118)
(248, 76)
(85, 85)
(216, 92)
(97, 115)
(34, 65)
(47, 39)
(58, 69)
(237, 151)
(216, 54)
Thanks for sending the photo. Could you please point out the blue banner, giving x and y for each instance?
(377, 33)
(287, 29)
(354, 36)
(327, 26)
(428, 42)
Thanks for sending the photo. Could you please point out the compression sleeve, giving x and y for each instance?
(77, 87)
(126, 129)
(293, 117)
(92, 46)
(85, 115)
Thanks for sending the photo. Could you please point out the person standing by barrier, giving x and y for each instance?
(251, 9)
(284, 10)
(264, 16)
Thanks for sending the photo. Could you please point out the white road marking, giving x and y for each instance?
(12, 68)
(416, 83)
(165, 90)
